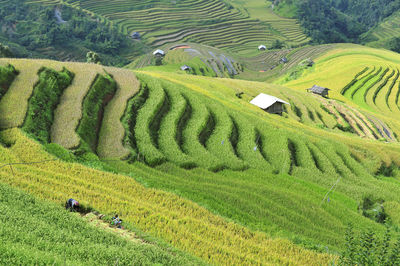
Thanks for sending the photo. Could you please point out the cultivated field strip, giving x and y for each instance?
(178, 221)
(376, 89)
(69, 111)
(112, 131)
(14, 104)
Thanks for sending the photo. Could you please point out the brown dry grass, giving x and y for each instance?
(112, 131)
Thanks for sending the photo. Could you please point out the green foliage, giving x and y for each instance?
(387, 171)
(7, 76)
(100, 93)
(92, 57)
(5, 51)
(59, 152)
(46, 96)
(277, 44)
(342, 20)
(129, 118)
(35, 232)
(286, 8)
(372, 208)
(367, 248)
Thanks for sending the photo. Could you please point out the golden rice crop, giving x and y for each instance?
(112, 131)
(181, 222)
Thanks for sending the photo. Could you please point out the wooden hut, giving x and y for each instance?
(319, 90)
(262, 47)
(135, 35)
(269, 103)
(159, 52)
(185, 68)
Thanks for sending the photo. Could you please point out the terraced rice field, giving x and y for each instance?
(387, 29)
(29, 238)
(180, 222)
(190, 135)
(370, 82)
(214, 23)
(268, 65)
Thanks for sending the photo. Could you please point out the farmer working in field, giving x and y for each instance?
(116, 221)
(72, 205)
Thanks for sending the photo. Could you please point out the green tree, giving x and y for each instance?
(92, 57)
(5, 51)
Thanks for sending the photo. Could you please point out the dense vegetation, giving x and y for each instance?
(340, 20)
(7, 76)
(31, 30)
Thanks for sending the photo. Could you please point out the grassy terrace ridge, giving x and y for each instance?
(29, 238)
(189, 141)
(193, 20)
(112, 131)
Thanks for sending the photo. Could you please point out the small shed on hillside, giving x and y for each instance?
(284, 60)
(159, 52)
(262, 47)
(269, 103)
(319, 90)
(135, 35)
(185, 68)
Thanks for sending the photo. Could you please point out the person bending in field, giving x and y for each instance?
(72, 205)
(116, 221)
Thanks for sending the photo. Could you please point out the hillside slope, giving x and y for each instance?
(360, 76)
(198, 137)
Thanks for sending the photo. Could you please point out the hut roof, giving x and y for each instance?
(262, 47)
(158, 51)
(318, 89)
(264, 101)
(135, 35)
(185, 67)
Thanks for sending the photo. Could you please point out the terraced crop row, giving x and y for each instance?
(270, 59)
(375, 89)
(208, 22)
(178, 221)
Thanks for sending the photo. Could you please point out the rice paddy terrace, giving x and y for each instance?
(384, 31)
(363, 77)
(234, 27)
(164, 144)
